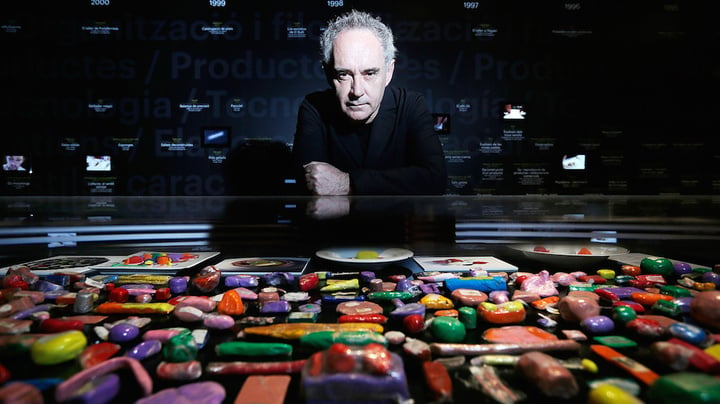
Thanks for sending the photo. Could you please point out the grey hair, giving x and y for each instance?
(357, 19)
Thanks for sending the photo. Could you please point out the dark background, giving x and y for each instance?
(631, 85)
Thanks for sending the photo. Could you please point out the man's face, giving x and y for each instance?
(359, 74)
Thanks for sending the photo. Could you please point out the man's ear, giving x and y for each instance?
(390, 71)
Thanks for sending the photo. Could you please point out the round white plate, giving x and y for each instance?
(348, 254)
(568, 253)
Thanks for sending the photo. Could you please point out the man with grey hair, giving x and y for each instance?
(361, 136)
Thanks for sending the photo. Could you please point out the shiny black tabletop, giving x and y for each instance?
(681, 227)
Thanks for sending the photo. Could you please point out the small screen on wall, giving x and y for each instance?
(513, 111)
(98, 163)
(16, 163)
(576, 162)
(217, 137)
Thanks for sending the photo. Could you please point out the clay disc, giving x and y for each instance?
(517, 334)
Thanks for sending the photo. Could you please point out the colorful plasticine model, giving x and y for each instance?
(344, 373)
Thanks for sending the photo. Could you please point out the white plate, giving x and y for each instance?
(464, 263)
(64, 263)
(182, 260)
(569, 253)
(348, 254)
(262, 264)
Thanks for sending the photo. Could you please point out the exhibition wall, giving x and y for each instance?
(128, 97)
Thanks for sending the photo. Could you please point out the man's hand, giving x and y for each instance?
(325, 179)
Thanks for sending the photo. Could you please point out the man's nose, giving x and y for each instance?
(356, 88)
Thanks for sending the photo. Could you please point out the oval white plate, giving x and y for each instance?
(348, 254)
(568, 253)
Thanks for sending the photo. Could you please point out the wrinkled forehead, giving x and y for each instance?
(357, 47)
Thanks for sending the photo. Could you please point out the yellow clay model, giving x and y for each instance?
(57, 348)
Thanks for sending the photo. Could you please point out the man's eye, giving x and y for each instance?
(342, 76)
